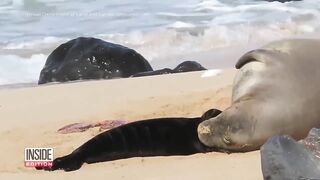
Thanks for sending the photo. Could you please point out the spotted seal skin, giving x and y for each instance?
(154, 137)
(276, 92)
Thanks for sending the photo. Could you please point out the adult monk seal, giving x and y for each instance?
(154, 137)
(276, 92)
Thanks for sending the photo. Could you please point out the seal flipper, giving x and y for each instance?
(210, 114)
(70, 162)
(154, 137)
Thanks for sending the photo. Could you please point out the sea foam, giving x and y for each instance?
(156, 29)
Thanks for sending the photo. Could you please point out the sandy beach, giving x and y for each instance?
(31, 117)
(51, 40)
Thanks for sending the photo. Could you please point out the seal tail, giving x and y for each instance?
(154, 137)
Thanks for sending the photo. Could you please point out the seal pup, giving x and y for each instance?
(275, 92)
(154, 137)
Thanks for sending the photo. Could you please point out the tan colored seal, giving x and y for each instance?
(276, 91)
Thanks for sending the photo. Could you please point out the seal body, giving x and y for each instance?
(154, 137)
(188, 66)
(282, 1)
(276, 92)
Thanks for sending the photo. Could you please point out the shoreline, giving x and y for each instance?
(224, 57)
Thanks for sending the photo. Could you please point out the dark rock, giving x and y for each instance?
(282, 158)
(90, 58)
(185, 66)
(156, 72)
(188, 66)
(312, 142)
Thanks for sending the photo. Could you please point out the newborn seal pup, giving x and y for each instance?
(276, 92)
(154, 137)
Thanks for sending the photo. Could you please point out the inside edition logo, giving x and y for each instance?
(38, 157)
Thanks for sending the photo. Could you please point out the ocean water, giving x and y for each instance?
(31, 29)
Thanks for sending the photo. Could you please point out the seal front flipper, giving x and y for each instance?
(210, 114)
(69, 162)
(154, 137)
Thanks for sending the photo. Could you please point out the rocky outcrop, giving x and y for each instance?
(282, 158)
(90, 58)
